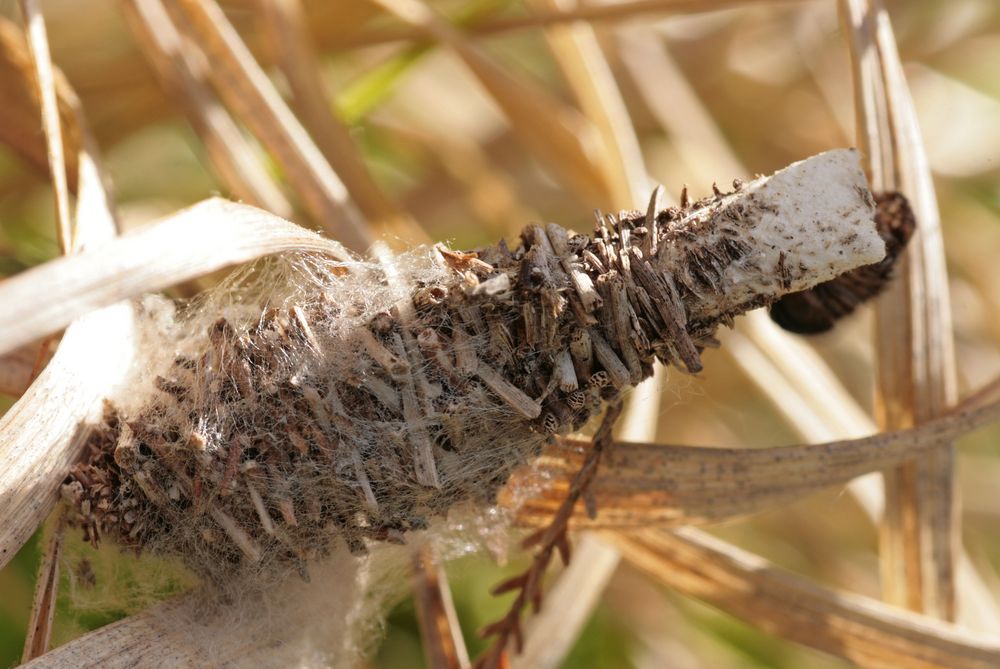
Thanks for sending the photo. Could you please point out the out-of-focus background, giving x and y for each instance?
(712, 96)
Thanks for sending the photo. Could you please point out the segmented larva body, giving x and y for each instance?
(386, 394)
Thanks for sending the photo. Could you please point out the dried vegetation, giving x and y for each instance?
(629, 92)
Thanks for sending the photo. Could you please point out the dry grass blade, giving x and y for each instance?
(231, 156)
(19, 114)
(542, 18)
(585, 68)
(38, 435)
(826, 395)
(674, 103)
(246, 89)
(935, 375)
(990, 392)
(285, 25)
(916, 376)
(860, 630)
(17, 369)
(756, 358)
(444, 647)
(557, 134)
(38, 42)
(667, 486)
(43, 606)
(195, 241)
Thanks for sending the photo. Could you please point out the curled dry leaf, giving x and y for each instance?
(195, 241)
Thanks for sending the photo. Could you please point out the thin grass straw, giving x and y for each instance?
(231, 157)
(246, 89)
(989, 392)
(43, 605)
(559, 135)
(39, 43)
(19, 115)
(544, 18)
(585, 68)
(916, 367)
(285, 26)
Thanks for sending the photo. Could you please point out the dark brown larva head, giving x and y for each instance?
(817, 310)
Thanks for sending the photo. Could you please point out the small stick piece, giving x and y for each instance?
(652, 227)
(239, 536)
(617, 371)
(514, 397)
(258, 505)
(564, 374)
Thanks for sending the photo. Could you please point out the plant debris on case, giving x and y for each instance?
(313, 401)
(321, 429)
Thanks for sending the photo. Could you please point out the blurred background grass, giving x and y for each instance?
(775, 79)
